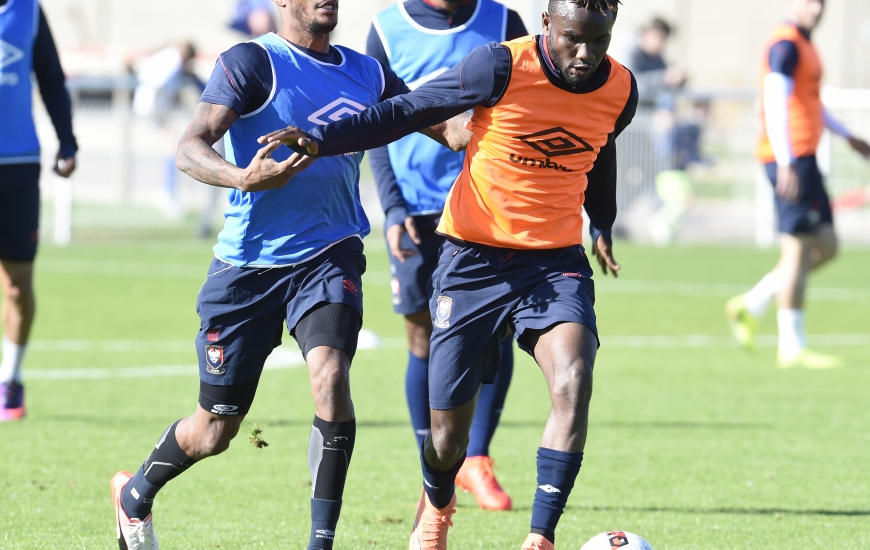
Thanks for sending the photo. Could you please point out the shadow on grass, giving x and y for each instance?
(389, 424)
(717, 511)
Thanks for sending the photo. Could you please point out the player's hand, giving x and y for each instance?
(787, 183)
(860, 146)
(294, 138)
(602, 249)
(64, 166)
(394, 239)
(266, 173)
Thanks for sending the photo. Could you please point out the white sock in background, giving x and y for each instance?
(792, 339)
(760, 297)
(10, 367)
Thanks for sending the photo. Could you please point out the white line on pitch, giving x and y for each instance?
(712, 341)
(287, 358)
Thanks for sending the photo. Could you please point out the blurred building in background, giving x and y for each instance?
(119, 188)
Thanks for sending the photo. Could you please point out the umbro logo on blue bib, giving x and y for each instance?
(337, 110)
(9, 54)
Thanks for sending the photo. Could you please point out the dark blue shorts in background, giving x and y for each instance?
(411, 280)
(242, 309)
(19, 211)
(479, 292)
(812, 208)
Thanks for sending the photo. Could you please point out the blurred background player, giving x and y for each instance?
(253, 17)
(792, 121)
(646, 60)
(26, 46)
(160, 77)
(419, 40)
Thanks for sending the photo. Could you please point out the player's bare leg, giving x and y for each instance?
(442, 456)
(17, 313)
(566, 354)
(330, 446)
(476, 475)
(800, 254)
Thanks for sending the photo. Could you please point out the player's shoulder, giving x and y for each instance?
(248, 53)
(785, 32)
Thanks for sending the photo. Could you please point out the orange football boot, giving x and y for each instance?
(430, 527)
(536, 542)
(477, 477)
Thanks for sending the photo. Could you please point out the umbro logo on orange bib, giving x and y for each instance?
(556, 142)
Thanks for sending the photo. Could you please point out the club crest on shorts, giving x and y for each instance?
(214, 360)
(442, 312)
(396, 289)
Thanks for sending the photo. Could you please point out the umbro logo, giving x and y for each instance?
(9, 54)
(556, 142)
(337, 110)
(324, 534)
(549, 489)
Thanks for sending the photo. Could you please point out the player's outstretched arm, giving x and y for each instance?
(478, 80)
(196, 157)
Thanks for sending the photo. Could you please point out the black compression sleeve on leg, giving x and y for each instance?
(167, 461)
(329, 451)
(333, 325)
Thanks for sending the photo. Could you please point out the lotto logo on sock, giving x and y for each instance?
(549, 489)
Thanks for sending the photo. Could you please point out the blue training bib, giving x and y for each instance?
(19, 22)
(425, 169)
(320, 205)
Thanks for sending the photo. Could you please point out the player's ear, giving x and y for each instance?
(545, 22)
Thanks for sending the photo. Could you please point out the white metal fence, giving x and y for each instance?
(126, 184)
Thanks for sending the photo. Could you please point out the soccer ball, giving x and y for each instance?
(616, 540)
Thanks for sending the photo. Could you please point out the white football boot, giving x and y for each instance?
(133, 534)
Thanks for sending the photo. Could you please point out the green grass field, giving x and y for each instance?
(693, 443)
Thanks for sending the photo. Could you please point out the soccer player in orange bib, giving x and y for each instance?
(792, 121)
(546, 113)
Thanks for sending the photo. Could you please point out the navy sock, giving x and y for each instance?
(417, 393)
(166, 462)
(440, 486)
(557, 471)
(330, 449)
(324, 520)
(491, 402)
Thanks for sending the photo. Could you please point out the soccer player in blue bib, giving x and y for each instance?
(420, 40)
(290, 252)
(26, 46)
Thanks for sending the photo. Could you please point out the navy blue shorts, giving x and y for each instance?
(411, 282)
(19, 211)
(480, 292)
(812, 209)
(242, 309)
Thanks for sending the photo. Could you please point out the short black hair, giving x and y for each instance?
(659, 24)
(598, 5)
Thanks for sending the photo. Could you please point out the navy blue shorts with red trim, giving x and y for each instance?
(19, 211)
(242, 309)
(812, 208)
(481, 292)
(411, 282)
